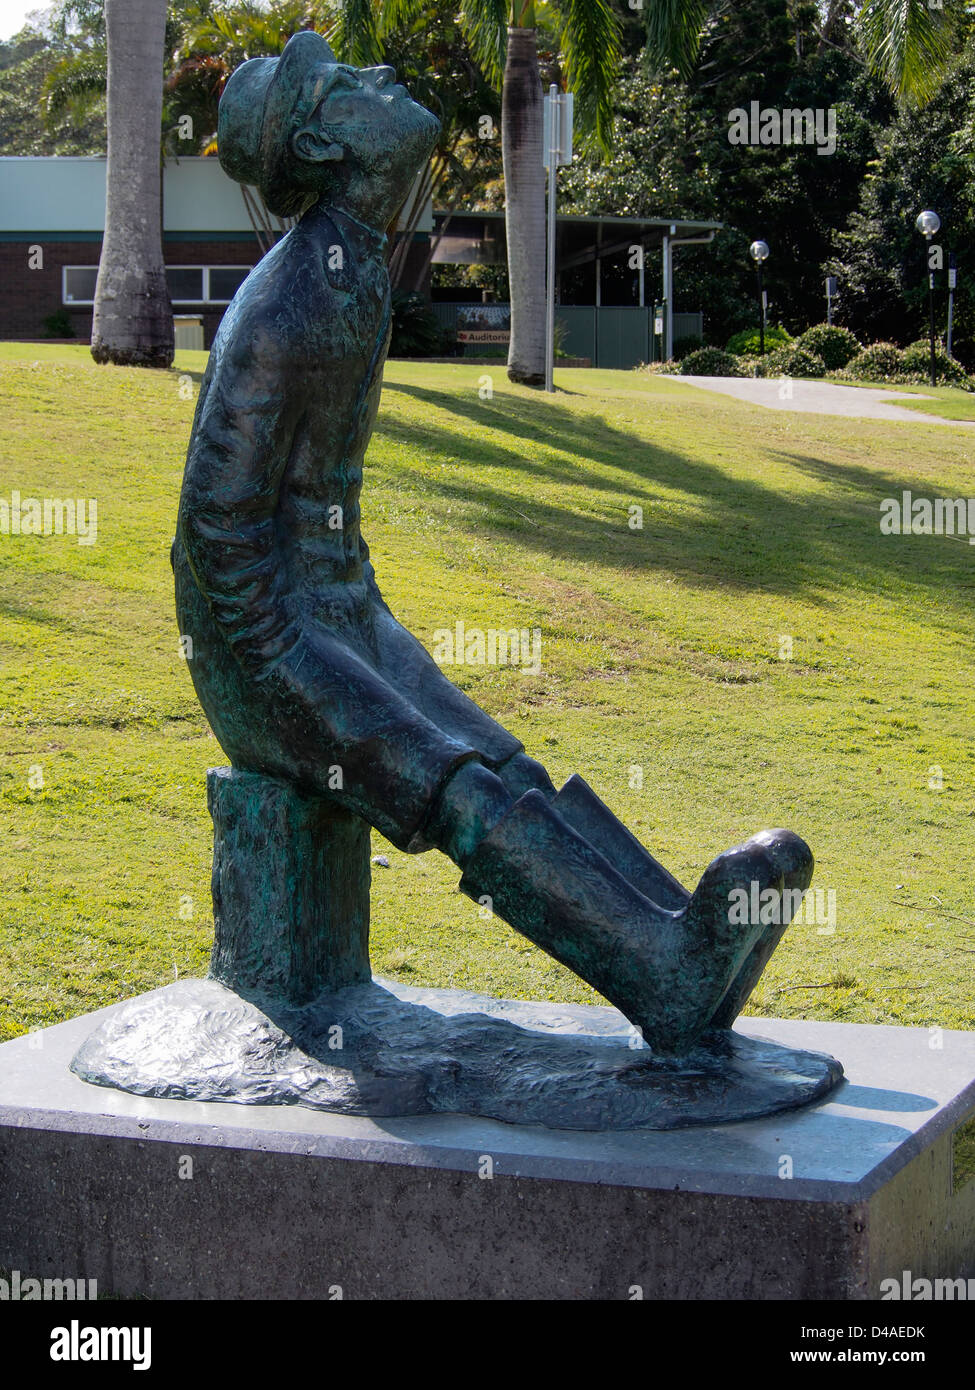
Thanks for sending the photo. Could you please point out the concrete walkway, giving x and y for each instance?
(819, 398)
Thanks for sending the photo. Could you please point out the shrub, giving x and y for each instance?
(878, 362)
(684, 346)
(836, 346)
(58, 325)
(794, 361)
(917, 361)
(709, 361)
(748, 342)
(671, 368)
(416, 329)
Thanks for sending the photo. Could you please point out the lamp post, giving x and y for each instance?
(928, 224)
(759, 254)
(557, 143)
(952, 286)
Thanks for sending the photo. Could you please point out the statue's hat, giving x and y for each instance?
(265, 100)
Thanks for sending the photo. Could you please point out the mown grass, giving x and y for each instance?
(950, 402)
(661, 651)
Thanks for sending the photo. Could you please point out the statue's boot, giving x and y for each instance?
(794, 862)
(666, 971)
(581, 808)
(579, 805)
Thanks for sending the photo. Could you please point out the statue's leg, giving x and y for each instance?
(579, 805)
(407, 665)
(666, 971)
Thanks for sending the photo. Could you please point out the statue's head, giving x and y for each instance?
(303, 127)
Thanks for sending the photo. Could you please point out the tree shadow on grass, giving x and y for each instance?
(942, 563)
(741, 534)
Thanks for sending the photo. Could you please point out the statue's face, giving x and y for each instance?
(360, 95)
(368, 125)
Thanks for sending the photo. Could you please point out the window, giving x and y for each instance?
(205, 284)
(78, 284)
(188, 284)
(225, 281)
(185, 284)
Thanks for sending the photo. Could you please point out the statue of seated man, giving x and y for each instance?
(303, 671)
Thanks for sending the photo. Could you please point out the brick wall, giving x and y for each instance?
(28, 297)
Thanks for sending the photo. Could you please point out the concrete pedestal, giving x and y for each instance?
(178, 1199)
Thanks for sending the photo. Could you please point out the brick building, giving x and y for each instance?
(52, 213)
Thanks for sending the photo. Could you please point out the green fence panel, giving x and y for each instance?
(622, 337)
(580, 330)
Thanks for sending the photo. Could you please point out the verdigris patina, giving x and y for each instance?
(336, 718)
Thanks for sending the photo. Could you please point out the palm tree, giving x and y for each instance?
(132, 323)
(503, 35)
(907, 43)
(427, 49)
(524, 201)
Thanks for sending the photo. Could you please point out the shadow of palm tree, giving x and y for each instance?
(741, 534)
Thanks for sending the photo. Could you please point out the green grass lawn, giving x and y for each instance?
(661, 652)
(950, 402)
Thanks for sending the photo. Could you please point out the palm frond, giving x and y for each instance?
(75, 84)
(674, 33)
(356, 36)
(907, 44)
(394, 13)
(590, 42)
(485, 25)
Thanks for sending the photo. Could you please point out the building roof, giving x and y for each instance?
(607, 218)
(43, 195)
(478, 238)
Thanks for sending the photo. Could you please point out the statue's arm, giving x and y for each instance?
(237, 457)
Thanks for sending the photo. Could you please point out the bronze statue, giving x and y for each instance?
(304, 673)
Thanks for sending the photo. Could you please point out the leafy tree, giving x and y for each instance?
(673, 157)
(907, 43)
(926, 161)
(30, 65)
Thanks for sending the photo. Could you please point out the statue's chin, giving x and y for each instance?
(416, 128)
(406, 149)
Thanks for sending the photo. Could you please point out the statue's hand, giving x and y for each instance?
(279, 652)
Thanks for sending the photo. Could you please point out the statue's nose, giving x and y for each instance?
(383, 76)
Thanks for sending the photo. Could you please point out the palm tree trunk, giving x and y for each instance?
(132, 323)
(524, 211)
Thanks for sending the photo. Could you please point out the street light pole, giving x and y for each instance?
(557, 149)
(552, 160)
(928, 224)
(759, 254)
(952, 286)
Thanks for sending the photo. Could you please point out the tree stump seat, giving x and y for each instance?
(290, 889)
